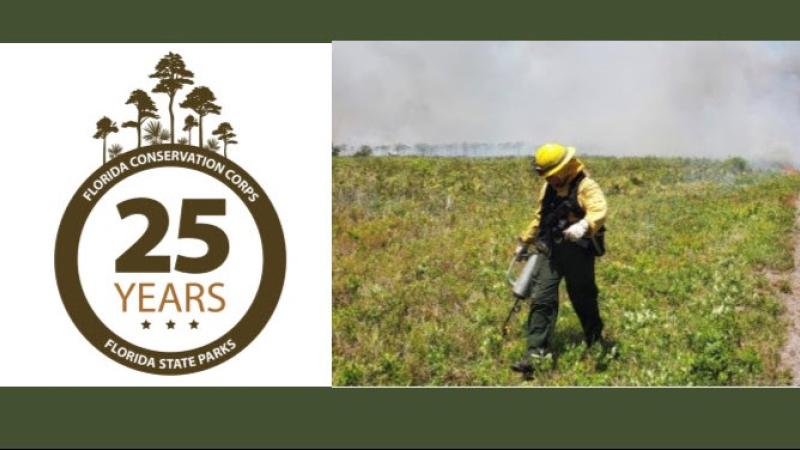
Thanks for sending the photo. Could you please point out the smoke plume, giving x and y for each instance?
(698, 99)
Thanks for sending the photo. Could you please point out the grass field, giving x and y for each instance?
(421, 245)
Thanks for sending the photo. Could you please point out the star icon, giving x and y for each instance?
(145, 325)
(194, 324)
(170, 325)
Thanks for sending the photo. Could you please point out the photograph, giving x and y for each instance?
(566, 213)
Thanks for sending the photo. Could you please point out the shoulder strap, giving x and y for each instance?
(573, 186)
(551, 199)
(573, 195)
(549, 195)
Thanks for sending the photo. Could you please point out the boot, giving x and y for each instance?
(527, 364)
(595, 336)
(523, 366)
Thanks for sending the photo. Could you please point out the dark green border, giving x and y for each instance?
(306, 417)
(321, 417)
(326, 20)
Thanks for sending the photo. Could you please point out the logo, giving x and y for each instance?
(170, 258)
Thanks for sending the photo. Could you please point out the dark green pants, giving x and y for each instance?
(576, 265)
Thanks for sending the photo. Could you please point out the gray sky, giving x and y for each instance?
(713, 99)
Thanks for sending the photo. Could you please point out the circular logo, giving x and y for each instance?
(170, 259)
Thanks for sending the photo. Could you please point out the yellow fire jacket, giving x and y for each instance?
(590, 199)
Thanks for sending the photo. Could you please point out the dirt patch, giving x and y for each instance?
(790, 288)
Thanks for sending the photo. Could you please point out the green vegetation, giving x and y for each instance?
(420, 248)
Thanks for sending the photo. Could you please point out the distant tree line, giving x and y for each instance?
(423, 149)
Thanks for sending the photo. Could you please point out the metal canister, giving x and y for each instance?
(523, 283)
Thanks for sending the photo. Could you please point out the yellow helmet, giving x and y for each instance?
(551, 157)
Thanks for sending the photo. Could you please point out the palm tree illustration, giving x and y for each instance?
(189, 123)
(154, 132)
(105, 126)
(145, 109)
(212, 145)
(114, 151)
(201, 101)
(173, 75)
(225, 132)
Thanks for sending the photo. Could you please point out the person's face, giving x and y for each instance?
(557, 179)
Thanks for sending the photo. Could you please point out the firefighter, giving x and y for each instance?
(567, 230)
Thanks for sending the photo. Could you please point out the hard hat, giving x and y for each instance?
(551, 157)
